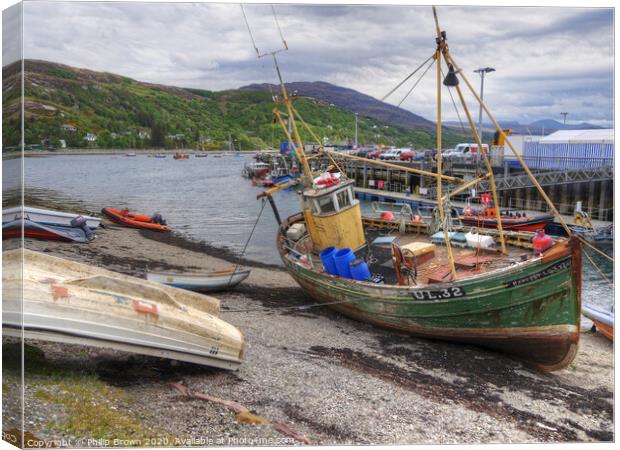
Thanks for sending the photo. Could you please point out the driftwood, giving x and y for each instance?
(243, 414)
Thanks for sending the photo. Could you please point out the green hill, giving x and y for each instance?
(67, 103)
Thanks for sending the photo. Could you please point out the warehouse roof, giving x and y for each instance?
(598, 136)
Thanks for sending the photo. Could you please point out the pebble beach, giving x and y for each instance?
(330, 379)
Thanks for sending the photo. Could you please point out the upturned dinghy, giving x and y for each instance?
(65, 301)
(36, 230)
(211, 281)
(47, 216)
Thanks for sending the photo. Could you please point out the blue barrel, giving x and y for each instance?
(343, 257)
(327, 258)
(359, 270)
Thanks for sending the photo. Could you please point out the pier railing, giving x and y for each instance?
(562, 162)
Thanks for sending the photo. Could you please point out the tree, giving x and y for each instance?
(158, 135)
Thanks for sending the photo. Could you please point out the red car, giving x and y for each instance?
(375, 154)
(407, 156)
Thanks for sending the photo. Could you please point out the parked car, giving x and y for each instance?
(391, 155)
(407, 156)
(364, 152)
(375, 154)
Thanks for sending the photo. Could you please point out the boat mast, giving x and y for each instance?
(441, 44)
(499, 129)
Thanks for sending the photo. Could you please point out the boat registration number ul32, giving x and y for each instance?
(438, 294)
(457, 291)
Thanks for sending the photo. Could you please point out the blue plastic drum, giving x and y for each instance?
(359, 270)
(343, 257)
(327, 258)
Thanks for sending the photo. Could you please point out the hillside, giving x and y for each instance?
(71, 104)
(351, 100)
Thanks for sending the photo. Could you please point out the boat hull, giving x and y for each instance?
(11, 230)
(531, 310)
(47, 217)
(532, 224)
(64, 301)
(201, 283)
(603, 320)
(133, 220)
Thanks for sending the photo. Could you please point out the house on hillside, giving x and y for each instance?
(144, 134)
(90, 137)
(68, 127)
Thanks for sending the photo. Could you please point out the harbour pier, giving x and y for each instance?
(593, 187)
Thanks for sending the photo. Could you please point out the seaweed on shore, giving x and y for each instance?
(223, 253)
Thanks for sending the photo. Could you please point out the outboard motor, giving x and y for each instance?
(157, 218)
(80, 222)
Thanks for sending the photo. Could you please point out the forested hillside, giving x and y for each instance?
(85, 109)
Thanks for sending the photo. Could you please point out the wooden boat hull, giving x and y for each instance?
(133, 220)
(65, 301)
(530, 310)
(215, 281)
(11, 230)
(508, 224)
(47, 216)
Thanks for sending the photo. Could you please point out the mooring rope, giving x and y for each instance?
(282, 308)
(263, 202)
(595, 249)
(611, 285)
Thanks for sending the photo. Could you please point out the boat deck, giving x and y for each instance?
(435, 269)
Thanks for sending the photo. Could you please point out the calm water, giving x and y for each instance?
(204, 199)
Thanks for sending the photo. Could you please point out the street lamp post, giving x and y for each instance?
(564, 114)
(482, 71)
(355, 130)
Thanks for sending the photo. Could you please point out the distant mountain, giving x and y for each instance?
(539, 127)
(84, 108)
(352, 100)
(555, 125)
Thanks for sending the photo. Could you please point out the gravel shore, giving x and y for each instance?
(329, 378)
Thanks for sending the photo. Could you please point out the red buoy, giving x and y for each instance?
(541, 241)
(387, 216)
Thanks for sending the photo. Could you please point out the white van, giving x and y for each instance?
(465, 152)
(392, 154)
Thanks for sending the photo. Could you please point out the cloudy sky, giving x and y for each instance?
(547, 60)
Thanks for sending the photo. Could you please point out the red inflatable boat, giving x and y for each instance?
(134, 220)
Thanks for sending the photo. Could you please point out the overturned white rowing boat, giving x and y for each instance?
(47, 216)
(65, 301)
(211, 281)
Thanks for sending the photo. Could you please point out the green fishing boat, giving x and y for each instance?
(510, 291)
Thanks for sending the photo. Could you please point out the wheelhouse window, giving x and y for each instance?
(326, 204)
(344, 199)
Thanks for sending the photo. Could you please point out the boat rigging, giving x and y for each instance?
(512, 299)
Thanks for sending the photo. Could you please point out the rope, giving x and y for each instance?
(284, 308)
(594, 248)
(248, 241)
(275, 17)
(407, 78)
(247, 24)
(417, 82)
(611, 285)
(454, 104)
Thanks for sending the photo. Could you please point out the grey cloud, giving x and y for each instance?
(11, 34)
(545, 58)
